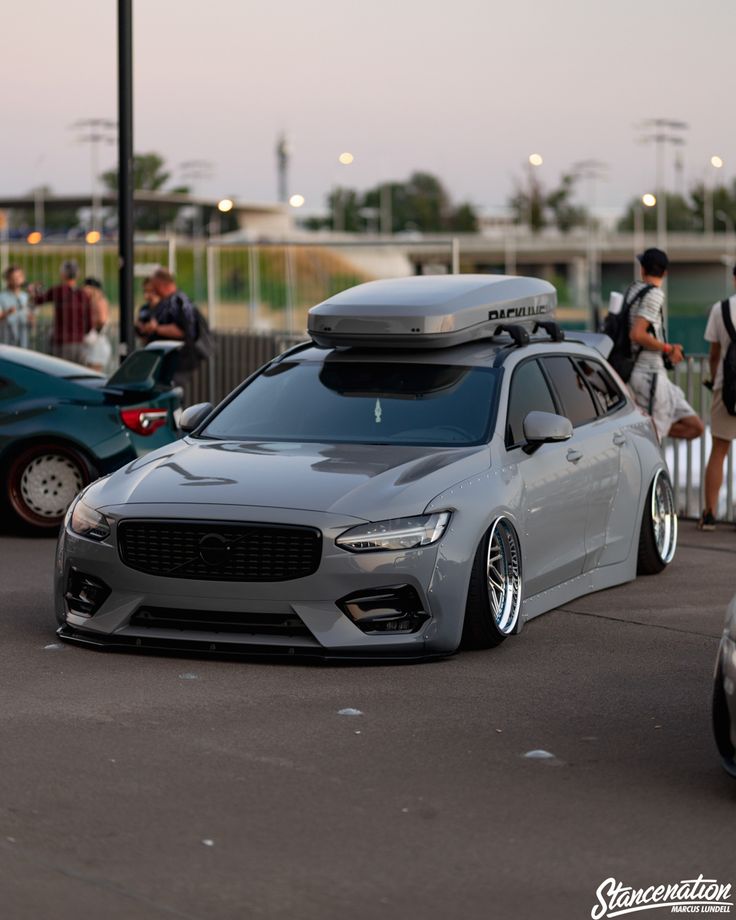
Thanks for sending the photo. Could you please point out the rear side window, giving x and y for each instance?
(605, 392)
(529, 393)
(577, 403)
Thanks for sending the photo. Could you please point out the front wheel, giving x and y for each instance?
(42, 482)
(494, 594)
(658, 536)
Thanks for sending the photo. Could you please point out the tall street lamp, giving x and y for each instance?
(592, 171)
(125, 173)
(728, 223)
(338, 205)
(535, 161)
(648, 200)
(717, 163)
(666, 132)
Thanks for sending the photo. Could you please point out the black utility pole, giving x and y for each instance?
(125, 173)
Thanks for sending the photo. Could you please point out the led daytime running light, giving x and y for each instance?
(396, 534)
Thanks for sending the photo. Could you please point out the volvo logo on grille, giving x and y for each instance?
(214, 549)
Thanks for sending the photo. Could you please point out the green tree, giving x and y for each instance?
(422, 203)
(724, 200)
(538, 208)
(149, 175)
(681, 215)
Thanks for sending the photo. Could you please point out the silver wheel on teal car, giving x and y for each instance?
(495, 591)
(658, 534)
(42, 482)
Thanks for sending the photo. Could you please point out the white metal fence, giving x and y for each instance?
(257, 294)
(264, 286)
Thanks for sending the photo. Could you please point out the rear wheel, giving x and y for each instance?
(658, 536)
(494, 594)
(42, 482)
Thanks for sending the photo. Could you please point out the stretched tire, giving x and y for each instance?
(42, 481)
(722, 723)
(658, 535)
(494, 594)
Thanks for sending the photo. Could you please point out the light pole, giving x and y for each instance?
(125, 173)
(665, 132)
(592, 170)
(193, 170)
(338, 205)
(535, 160)
(717, 163)
(727, 221)
(648, 200)
(98, 130)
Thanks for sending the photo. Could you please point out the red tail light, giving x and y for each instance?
(144, 421)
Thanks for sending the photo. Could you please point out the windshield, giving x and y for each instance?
(364, 403)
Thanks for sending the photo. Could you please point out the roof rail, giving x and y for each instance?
(553, 330)
(519, 334)
(300, 346)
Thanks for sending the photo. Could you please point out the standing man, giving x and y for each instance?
(722, 425)
(173, 317)
(72, 313)
(651, 388)
(16, 317)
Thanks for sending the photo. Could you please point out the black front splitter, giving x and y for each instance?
(192, 648)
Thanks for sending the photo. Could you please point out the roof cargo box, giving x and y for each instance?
(430, 311)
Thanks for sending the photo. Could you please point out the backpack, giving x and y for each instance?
(201, 347)
(204, 345)
(616, 326)
(729, 362)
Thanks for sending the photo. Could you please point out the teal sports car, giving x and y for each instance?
(63, 425)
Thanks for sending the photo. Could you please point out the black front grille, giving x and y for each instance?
(220, 552)
(261, 624)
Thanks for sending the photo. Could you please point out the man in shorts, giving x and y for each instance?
(650, 386)
(722, 425)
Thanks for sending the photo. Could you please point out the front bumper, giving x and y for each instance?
(440, 584)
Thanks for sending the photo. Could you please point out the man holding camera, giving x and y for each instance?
(650, 386)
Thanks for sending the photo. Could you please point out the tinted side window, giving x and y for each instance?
(529, 393)
(577, 403)
(606, 393)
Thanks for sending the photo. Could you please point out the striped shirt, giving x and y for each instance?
(651, 307)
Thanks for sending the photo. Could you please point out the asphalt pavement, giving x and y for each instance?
(145, 787)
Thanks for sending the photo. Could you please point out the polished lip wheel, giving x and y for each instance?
(503, 576)
(49, 483)
(664, 518)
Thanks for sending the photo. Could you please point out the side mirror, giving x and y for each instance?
(545, 428)
(193, 416)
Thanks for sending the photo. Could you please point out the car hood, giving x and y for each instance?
(365, 481)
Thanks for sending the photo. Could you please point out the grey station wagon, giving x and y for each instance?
(438, 465)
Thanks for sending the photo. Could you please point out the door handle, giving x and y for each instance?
(619, 439)
(574, 455)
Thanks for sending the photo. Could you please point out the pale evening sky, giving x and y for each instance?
(464, 88)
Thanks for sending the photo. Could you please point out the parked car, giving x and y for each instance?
(724, 693)
(436, 467)
(63, 425)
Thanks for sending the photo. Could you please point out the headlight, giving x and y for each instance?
(89, 523)
(397, 534)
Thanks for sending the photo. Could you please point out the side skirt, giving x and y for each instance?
(597, 580)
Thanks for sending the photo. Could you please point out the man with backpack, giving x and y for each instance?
(721, 334)
(176, 317)
(642, 355)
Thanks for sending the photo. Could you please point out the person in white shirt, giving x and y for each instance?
(16, 317)
(722, 425)
(653, 391)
